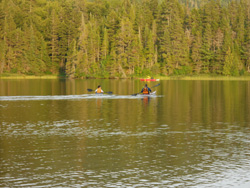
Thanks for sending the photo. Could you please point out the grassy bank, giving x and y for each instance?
(203, 77)
(196, 77)
(22, 76)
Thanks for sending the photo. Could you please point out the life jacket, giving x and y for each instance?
(99, 90)
(145, 90)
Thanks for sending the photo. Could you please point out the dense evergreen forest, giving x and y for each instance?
(125, 38)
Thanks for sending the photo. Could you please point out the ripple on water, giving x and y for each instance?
(72, 128)
(217, 166)
(71, 97)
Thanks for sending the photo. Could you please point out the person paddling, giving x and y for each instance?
(99, 90)
(146, 89)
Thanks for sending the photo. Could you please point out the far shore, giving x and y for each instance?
(204, 77)
(183, 77)
(21, 76)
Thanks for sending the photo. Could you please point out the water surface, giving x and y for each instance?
(54, 133)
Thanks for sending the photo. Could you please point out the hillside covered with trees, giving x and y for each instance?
(125, 38)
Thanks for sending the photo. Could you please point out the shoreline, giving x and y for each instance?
(196, 77)
(204, 77)
(16, 76)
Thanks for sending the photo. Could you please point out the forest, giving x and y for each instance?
(125, 38)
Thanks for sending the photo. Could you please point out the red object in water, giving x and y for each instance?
(149, 79)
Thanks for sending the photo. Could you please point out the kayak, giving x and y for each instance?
(151, 94)
(103, 94)
(149, 79)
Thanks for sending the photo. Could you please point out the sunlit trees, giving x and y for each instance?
(113, 38)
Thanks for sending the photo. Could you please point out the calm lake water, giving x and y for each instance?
(54, 133)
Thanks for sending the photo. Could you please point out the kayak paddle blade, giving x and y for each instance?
(155, 85)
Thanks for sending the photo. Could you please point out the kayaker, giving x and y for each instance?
(146, 89)
(99, 90)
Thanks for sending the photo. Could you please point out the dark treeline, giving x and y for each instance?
(125, 38)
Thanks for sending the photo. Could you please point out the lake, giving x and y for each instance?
(54, 133)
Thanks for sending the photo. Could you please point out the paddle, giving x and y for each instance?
(109, 92)
(139, 93)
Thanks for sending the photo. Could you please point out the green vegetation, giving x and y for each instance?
(204, 77)
(124, 38)
(25, 76)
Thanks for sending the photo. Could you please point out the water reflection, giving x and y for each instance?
(92, 152)
(195, 135)
(99, 103)
(145, 100)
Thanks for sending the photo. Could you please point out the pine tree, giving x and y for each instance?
(112, 66)
(196, 54)
(93, 46)
(153, 4)
(218, 52)
(228, 41)
(195, 24)
(207, 54)
(44, 54)
(228, 63)
(54, 43)
(112, 25)
(240, 27)
(149, 48)
(180, 50)
(9, 42)
(62, 45)
(2, 37)
(124, 40)
(71, 64)
(230, 67)
(81, 5)
(2, 56)
(139, 55)
(105, 45)
(164, 17)
(247, 41)
(165, 52)
(82, 63)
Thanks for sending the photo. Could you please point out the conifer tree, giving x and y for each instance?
(71, 63)
(112, 25)
(62, 44)
(149, 48)
(82, 63)
(231, 65)
(124, 38)
(2, 37)
(54, 43)
(93, 46)
(153, 4)
(179, 42)
(139, 55)
(196, 34)
(196, 54)
(9, 42)
(105, 45)
(112, 66)
(218, 52)
(247, 40)
(207, 54)
(165, 53)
